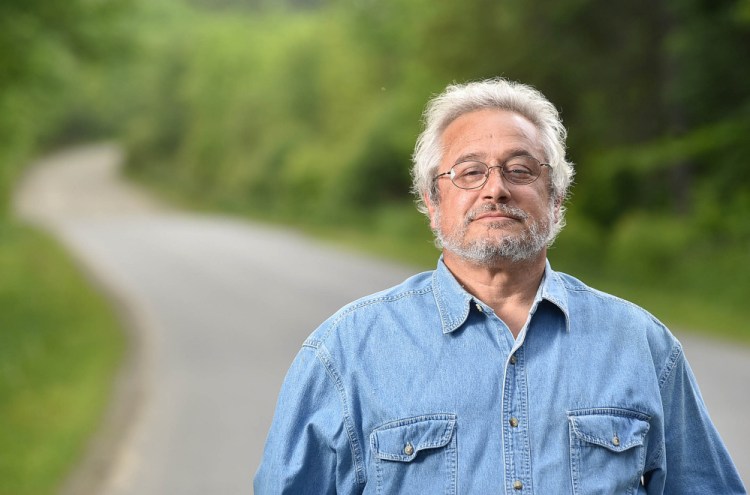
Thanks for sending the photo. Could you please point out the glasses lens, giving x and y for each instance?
(521, 170)
(467, 175)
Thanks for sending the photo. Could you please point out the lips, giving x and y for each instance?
(495, 215)
(497, 211)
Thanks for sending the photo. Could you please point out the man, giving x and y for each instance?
(493, 373)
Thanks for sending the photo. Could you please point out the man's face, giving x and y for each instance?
(500, 220)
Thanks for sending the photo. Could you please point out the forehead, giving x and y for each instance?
(489, 133)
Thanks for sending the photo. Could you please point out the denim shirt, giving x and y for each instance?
(422, 389)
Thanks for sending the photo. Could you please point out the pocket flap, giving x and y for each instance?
(402, 440)
(613, 431)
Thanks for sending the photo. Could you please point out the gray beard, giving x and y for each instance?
(487, 250)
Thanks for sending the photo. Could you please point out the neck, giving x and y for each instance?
(508, 287)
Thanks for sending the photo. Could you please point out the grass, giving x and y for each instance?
(60, 346)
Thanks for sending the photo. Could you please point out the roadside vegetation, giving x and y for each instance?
(60, 343)
(59, 350)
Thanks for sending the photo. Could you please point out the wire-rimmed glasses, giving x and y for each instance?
(472, 174)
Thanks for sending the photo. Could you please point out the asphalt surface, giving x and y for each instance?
(216, 309)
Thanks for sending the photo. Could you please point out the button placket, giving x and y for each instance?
(517, 454)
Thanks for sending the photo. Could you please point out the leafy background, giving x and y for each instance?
(306, 112)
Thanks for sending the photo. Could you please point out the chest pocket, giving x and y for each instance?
(416, 455)
(607, 450)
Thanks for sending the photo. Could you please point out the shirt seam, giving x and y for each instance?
(321, 353)
(336, 321)
(605, 296)
(611, 297)
(666, 373)
(664, 376)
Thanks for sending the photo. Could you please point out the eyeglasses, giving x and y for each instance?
(520, 170)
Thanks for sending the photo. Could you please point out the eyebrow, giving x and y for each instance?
(476, 156)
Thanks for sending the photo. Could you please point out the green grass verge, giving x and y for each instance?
(60, 346)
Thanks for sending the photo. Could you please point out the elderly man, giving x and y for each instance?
(493, 373)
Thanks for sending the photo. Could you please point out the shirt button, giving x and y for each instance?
(479, 308)
(616, 441)
(517, 485)
(512, 359)
(513, 422)
(408, 449)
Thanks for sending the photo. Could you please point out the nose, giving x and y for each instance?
(496, 188)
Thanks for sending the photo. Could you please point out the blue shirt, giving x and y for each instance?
(422, 389)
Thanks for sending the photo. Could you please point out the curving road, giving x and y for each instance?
(217, 309)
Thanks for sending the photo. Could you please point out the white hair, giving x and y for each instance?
(497, 93)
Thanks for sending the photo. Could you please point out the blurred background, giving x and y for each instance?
(268, 108)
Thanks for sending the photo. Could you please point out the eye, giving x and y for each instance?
(470, 171)
(520, 169)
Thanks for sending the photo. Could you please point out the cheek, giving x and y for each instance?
(535, 201)
(459, 203)
(453, 208)
(449, 210)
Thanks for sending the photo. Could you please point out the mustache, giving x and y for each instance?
(511, 211)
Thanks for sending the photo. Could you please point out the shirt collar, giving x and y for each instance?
(451, 299)
(554, 291)
(454, 303)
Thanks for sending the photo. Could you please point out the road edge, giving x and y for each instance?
(105, 451)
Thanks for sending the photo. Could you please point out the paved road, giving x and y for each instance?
(218, 308)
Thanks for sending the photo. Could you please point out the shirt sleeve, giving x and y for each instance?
(694, 458)
(307, 449)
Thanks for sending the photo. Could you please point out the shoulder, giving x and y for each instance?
(585, 297)
(607, 314)
(404, 300)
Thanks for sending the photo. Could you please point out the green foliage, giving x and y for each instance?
(59, 345)
(308, 113)
(319, 107)
(59, 349)
(44, 48)
(287, 122)
(650, 245)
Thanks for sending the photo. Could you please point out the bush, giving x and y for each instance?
(644, 247)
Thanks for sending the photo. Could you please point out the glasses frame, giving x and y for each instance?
(452, 173)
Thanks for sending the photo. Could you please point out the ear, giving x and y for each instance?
(430, 209)
(558, 207)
